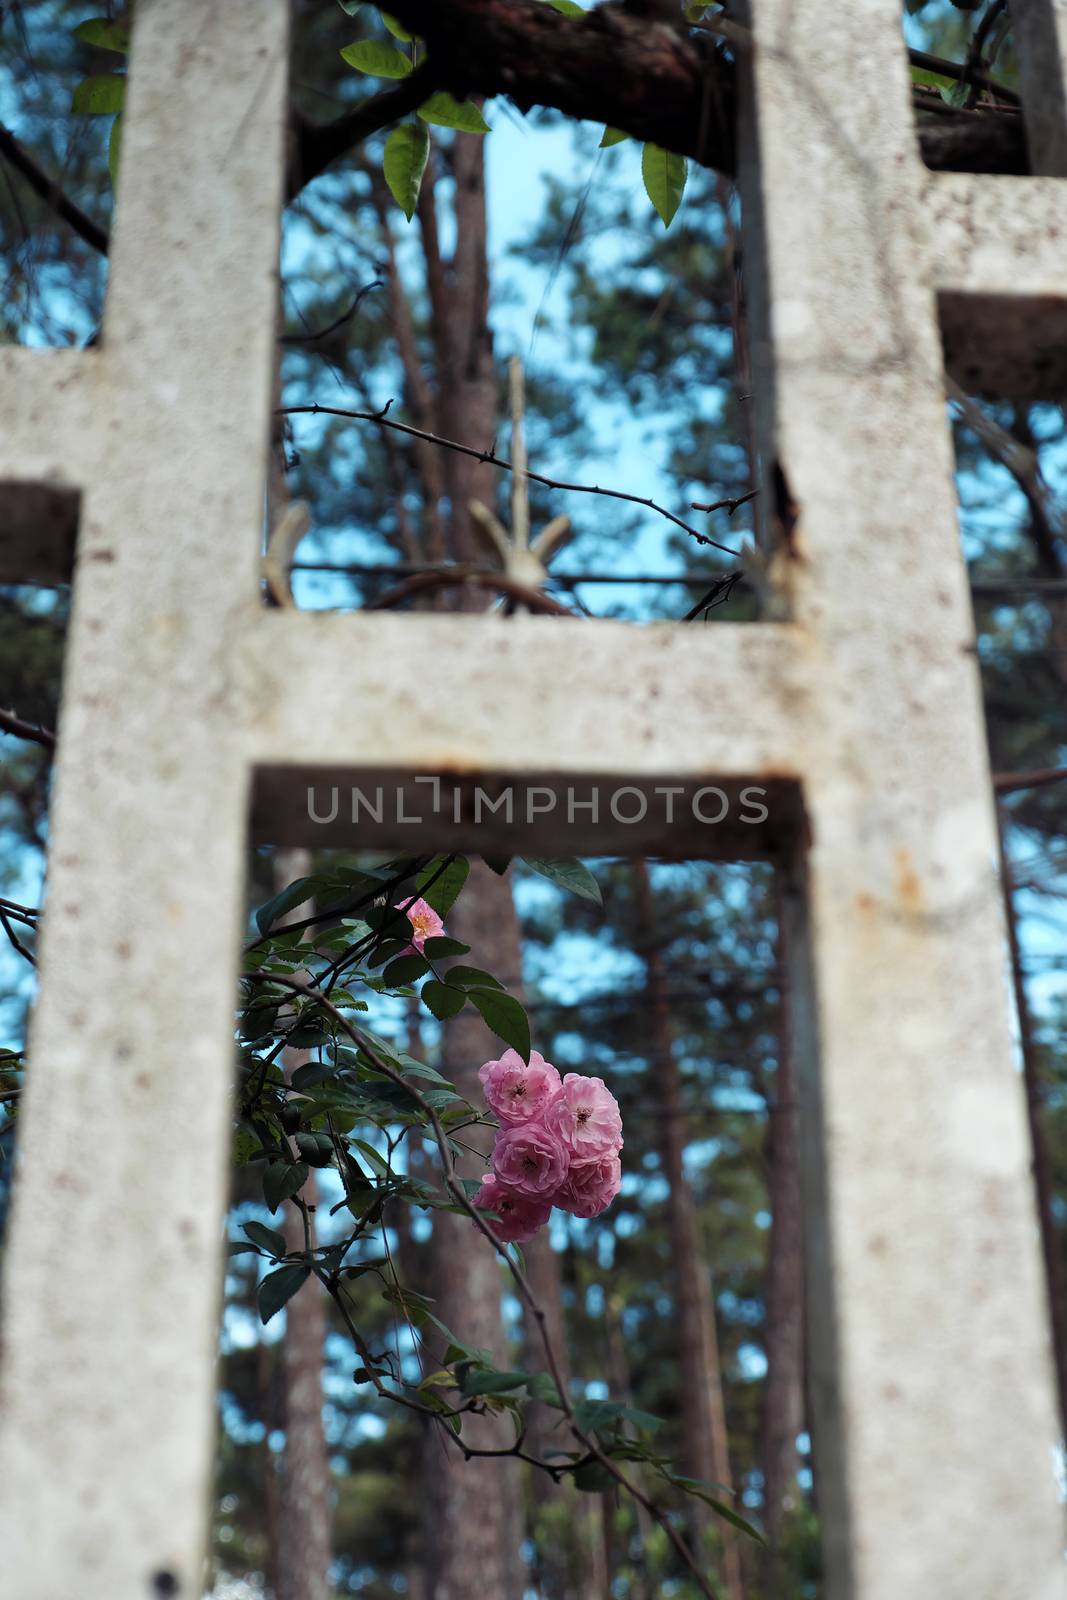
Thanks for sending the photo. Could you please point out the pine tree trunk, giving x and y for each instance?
(305, 1545)
(305, 1535)
(783, 1405)
(474, 1504)
(1051, 1241)
(705, 1447)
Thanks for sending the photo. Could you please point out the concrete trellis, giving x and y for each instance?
(184, 701)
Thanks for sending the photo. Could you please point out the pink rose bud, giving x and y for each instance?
(585, 1117)
(531, 1160)
(591, 1185)
(518, 1216)
(425, 922)
(518, 1093)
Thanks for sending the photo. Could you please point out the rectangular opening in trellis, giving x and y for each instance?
(38, 533)
(401, 327)
(666, 1291)
(965, 86)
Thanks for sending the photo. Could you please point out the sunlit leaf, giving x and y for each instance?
(114, 151)
(444, 111)
(612, 136)
(104, 34)
(100, 96)
(396, 28)
(664, 173)
(407, 151)
(377, 58)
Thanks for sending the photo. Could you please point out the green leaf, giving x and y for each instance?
(293, 895)
(114, 151)
(445, 947)
(258, 1021)
(444, 892)
(592, 1477)
(277, 1288)
(612, 136)
(245, 1144)
(243, 1250)
(316, 1148)
(592, 1414)
(540, 1386)
(351, 6)
(281, 1180)
(396, 28)
(503, 1014)
(471, 978)
(442, 1001)
(444, 111)
(698, 1489)
(573, 876)
(664, 174)
(405, 969)
(105, 34)
(267, 1238)
(567, 8)
(407, 150)
(100, 96)
(377, 58)
(377, 1162)
(958, 96)
(475, 1381)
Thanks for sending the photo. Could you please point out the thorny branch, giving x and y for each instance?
(491, 457)
(588, 1441)
(47, 189)
(31, 731)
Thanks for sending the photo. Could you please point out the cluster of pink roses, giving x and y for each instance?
(558, 1145)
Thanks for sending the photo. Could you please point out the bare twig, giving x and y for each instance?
(32, 731)
(338, 322)
(1009, 782)
(491, 457)
(1018, 458)
(47, 189)
(730, 506)
(14, 938)
(468, 578)
(963, 72)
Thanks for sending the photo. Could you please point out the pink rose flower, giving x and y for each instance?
(531, 1160)
(591, 1185)
(518, 1093)
(519, 1215)
(425, 922)
(585, 1117)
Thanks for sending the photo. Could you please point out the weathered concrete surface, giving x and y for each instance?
(931, 1375)
(113, 1270)
(929, 1346)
